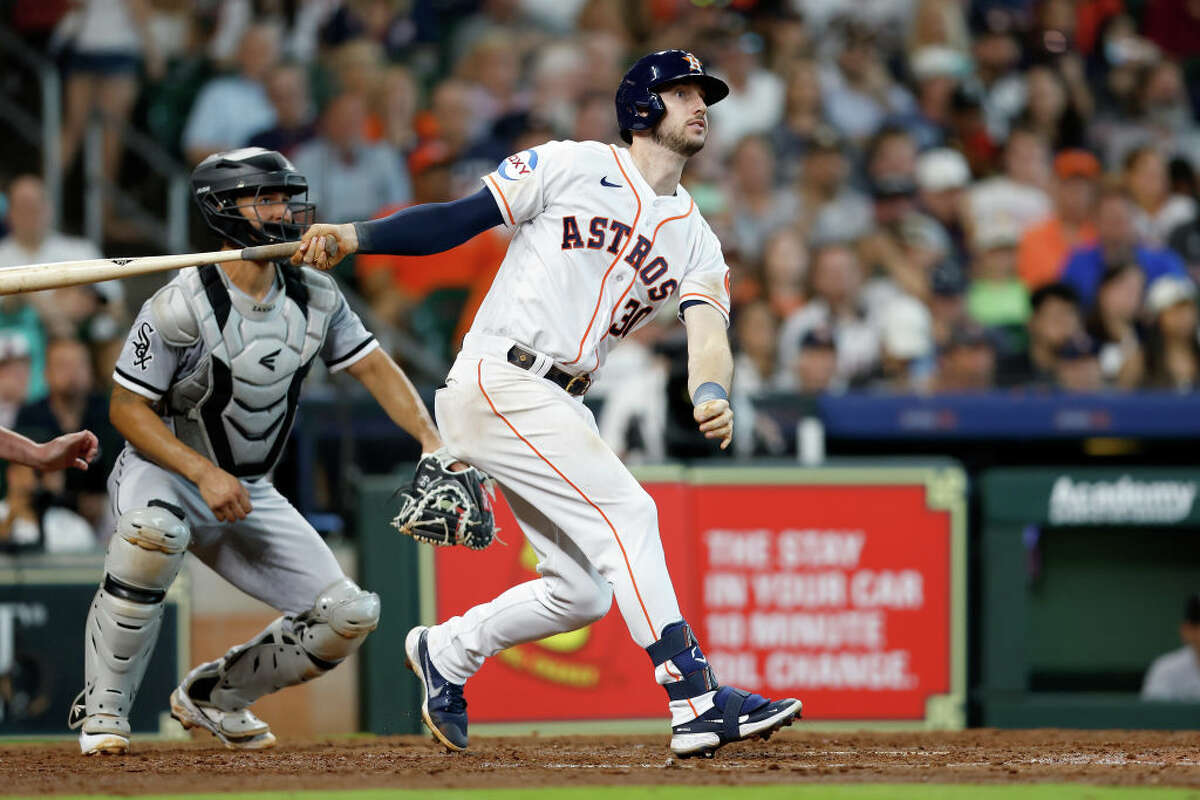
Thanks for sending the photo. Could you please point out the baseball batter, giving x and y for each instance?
(206, 392)
(603, 237)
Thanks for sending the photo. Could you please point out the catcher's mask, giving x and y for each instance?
(225, 183)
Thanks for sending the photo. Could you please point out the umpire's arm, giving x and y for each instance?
(710, 371)
(392, 389)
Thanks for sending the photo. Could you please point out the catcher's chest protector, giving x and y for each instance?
(237, 405)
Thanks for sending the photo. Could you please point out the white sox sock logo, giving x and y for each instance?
(141, 346)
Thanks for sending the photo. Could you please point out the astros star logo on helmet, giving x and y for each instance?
(693, 63)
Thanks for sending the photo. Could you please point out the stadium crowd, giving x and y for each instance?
(912, 195)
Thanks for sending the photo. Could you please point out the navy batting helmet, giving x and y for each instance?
(224, 180)
(639, 108)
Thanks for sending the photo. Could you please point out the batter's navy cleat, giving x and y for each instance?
(736, 715)
(237, 730)
(443, 706)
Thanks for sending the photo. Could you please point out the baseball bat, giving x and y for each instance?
(36, 277)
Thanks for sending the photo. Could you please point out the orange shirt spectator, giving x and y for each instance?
(1045, 246)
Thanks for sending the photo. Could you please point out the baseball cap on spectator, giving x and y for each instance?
(938, 61)
(941, 169)
(1191, 610)
(1076, 163)
(967, 334)
(948, 279)
(1167, 291)
(1077, 347)
(13, 347)
(995, 232)
(818, 338)
(907, 329)
(921, 231)
(887, 187)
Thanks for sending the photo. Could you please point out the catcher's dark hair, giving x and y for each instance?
(1191, 609)
(1057, 291)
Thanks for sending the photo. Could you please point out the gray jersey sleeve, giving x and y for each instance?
(147, 363)
(347, 340)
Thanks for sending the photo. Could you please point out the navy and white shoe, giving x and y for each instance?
(735, 715)
(443, 706)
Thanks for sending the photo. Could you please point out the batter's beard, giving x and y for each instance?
(676, 142)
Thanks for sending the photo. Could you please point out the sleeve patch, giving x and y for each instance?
(141, 346)
(518, 166)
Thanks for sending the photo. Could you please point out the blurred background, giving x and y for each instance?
(957, 229)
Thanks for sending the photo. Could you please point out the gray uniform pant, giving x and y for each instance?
(273, 554)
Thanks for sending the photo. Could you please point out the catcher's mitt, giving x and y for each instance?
(447, 508)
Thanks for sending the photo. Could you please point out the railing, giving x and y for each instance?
(171, 234)
(44, 134)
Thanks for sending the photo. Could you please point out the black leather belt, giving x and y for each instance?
(575, 385)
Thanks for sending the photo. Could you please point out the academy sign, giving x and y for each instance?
(1124, 500)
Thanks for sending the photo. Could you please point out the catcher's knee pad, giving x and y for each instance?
(296, 649)
(143, 558)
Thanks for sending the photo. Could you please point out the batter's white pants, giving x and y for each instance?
(593, 527)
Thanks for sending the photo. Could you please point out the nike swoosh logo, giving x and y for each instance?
(604, 182)
(428, 670)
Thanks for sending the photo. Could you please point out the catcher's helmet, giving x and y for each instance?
(639, 108)
(223, 181)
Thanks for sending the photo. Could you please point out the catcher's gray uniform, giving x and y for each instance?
(226, 371)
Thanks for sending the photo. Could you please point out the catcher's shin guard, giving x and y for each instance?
(292, 650)
(143, 558)
(707, 716)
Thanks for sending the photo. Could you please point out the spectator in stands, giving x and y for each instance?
(1175, 676)
(107, 43)
(1044, 247)
(231, 109)
(756, 336)
(1172, 350)
(396, 99)
(814, 370)
(997, 55)
(891, 153)
(349, 178)
(996, 297)
(967, 362)
(287, 87)
(31, 239)
(755, 103)
(835, 281)
(1019, 193)
(1055, 317)
(1185, 242)
(1077, 368)
(14, 377)
(493, 68)
(785, 267)
(829, 210)
(594, 120)
(942, 180)
(803, 114)
(1113, 324)
(1117, 241)
(947, 300)
(906, 348)
(72, 405)
(858, 91)
(904, 245)
(1049, 110)
(1158, 211)
(757, 206)
(32, 520)
(396, 285)
(937, 71)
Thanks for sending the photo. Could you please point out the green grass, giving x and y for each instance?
(879, 791)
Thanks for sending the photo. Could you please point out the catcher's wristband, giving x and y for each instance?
(709, 390)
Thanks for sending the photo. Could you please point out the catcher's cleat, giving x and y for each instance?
(100, 734)
(237, 730)
(443, 706)
(736, 715)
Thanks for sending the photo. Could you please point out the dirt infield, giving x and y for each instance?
(978, 756)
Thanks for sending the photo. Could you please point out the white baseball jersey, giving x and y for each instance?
(595, 252)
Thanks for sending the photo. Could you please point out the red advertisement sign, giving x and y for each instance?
(837, 594)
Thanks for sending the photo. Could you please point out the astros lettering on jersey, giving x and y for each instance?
(595, 252)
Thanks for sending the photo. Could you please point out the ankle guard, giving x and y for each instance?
(687, 672)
